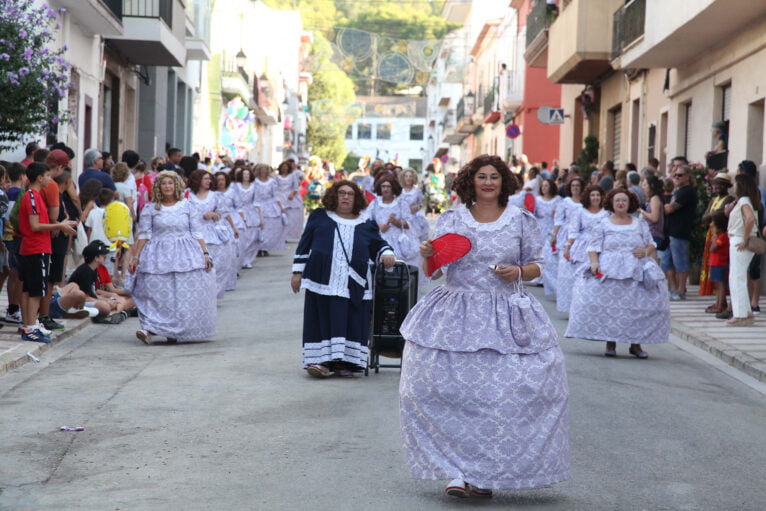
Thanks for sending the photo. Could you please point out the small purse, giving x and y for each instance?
(756, 245)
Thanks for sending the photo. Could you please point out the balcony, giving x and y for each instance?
(492, 112)
(682, 32)
(102, 17)
(539, 19)
(580, 41)
(198, 14)
(234, 80)
(511, 90)
(151, 36)
(466, 109)
(627, 26)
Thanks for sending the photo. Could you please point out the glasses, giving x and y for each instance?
(679, 175)
(346, 194)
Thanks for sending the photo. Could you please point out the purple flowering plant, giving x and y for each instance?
(34, 76)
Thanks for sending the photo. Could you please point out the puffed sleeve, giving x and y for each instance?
(596, 242)
(446, 223)
(531, 243)
(646, 235)
(307, 238)
(574, 225)
(378, 246)
(195, 222)
(145, 222)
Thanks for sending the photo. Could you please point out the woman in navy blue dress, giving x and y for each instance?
(332, 263)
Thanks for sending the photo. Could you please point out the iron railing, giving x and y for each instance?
(162, 9)
(540, 18)
(628, 25)
(115, 6)
(229, 65)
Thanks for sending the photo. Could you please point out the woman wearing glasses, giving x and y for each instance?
(332, 264)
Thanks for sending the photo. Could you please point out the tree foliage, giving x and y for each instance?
(33, 76)
(331, 99)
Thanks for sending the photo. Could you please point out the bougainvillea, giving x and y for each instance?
(34, 76)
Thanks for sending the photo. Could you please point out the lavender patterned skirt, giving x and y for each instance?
(550, 270)
(294, 227)
(273, 234)
(564, 283)
(248, 245)
(496, 421)
(644, 311)
(180, 305)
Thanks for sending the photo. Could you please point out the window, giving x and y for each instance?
(416, 132)
(652, 140)
(615, 133)
(416, 164)
(350, 132)
(384, 131)
(364, 131)
(725, 102)
(686, 126)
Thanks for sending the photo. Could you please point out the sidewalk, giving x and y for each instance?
(741, 347)
(14, 352)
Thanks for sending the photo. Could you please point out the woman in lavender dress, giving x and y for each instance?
(582, 220)
(231, 222)
(483, 392)
(620, 249)
(172, 284)
(545, 210)
(567, 208)
(392, 216)
(289, 186)
(413, 199)
(244, 190)
(206, 207)
(267, 198)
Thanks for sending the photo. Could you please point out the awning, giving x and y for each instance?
(441, 152)
(492, 117)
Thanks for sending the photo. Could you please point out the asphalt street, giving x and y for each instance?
(235, 423)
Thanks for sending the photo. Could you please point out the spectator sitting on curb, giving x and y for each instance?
(85, 277)
(106, 290)
(69, 303)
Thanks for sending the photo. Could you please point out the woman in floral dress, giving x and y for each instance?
(244, 190)
(289, 186)
(483, 392)
(172, 283)
(545, 210)
(567, 208)
(266, 197)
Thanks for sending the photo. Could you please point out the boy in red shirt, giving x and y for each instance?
(35, 251)
(719, 261)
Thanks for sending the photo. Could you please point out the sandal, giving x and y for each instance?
(480, 492)
(457, 488)
(714, 309)
(318, 371)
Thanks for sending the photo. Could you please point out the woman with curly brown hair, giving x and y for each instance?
(332, 264)
(566, 209)
(171, 282)
(483, 392)
(392, 216)
(620, 271)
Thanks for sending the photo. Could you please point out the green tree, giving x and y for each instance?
(33, 77)
(331, 99)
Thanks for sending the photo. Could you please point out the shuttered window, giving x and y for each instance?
(616, 115)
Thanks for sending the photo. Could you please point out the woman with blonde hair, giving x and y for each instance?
(171, 281)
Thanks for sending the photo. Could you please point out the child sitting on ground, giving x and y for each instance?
(719, 261)
(84, 276)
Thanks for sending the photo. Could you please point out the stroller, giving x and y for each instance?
(395, 292)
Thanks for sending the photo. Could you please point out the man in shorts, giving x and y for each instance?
(679, 220)
(35, 250)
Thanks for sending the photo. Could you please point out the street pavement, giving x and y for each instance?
(235, 423)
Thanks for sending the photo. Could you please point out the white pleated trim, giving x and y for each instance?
(336, 348)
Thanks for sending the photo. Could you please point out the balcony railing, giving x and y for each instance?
(628, 25)
(460, 110)
(540, 18)
(229, 65)
(115, 6)
(489, 102)
(199, 12)
(162, 9)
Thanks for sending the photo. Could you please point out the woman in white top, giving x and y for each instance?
(742, 225)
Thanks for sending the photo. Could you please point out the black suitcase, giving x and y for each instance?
(395, 293)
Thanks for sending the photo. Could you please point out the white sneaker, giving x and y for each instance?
(13, 318)
(42, 329)
(457, 488)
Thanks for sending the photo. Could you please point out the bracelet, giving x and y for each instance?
(297, 273)
(206, 253)
(521, 273)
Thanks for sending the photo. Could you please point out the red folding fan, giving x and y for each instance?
(369, 196)
(447, 249)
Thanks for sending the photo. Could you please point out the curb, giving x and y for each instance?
(17, 356)
(732, 356)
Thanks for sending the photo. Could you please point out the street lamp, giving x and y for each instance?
(241, 59)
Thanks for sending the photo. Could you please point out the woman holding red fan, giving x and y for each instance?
(620, 270)
(483, 392)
